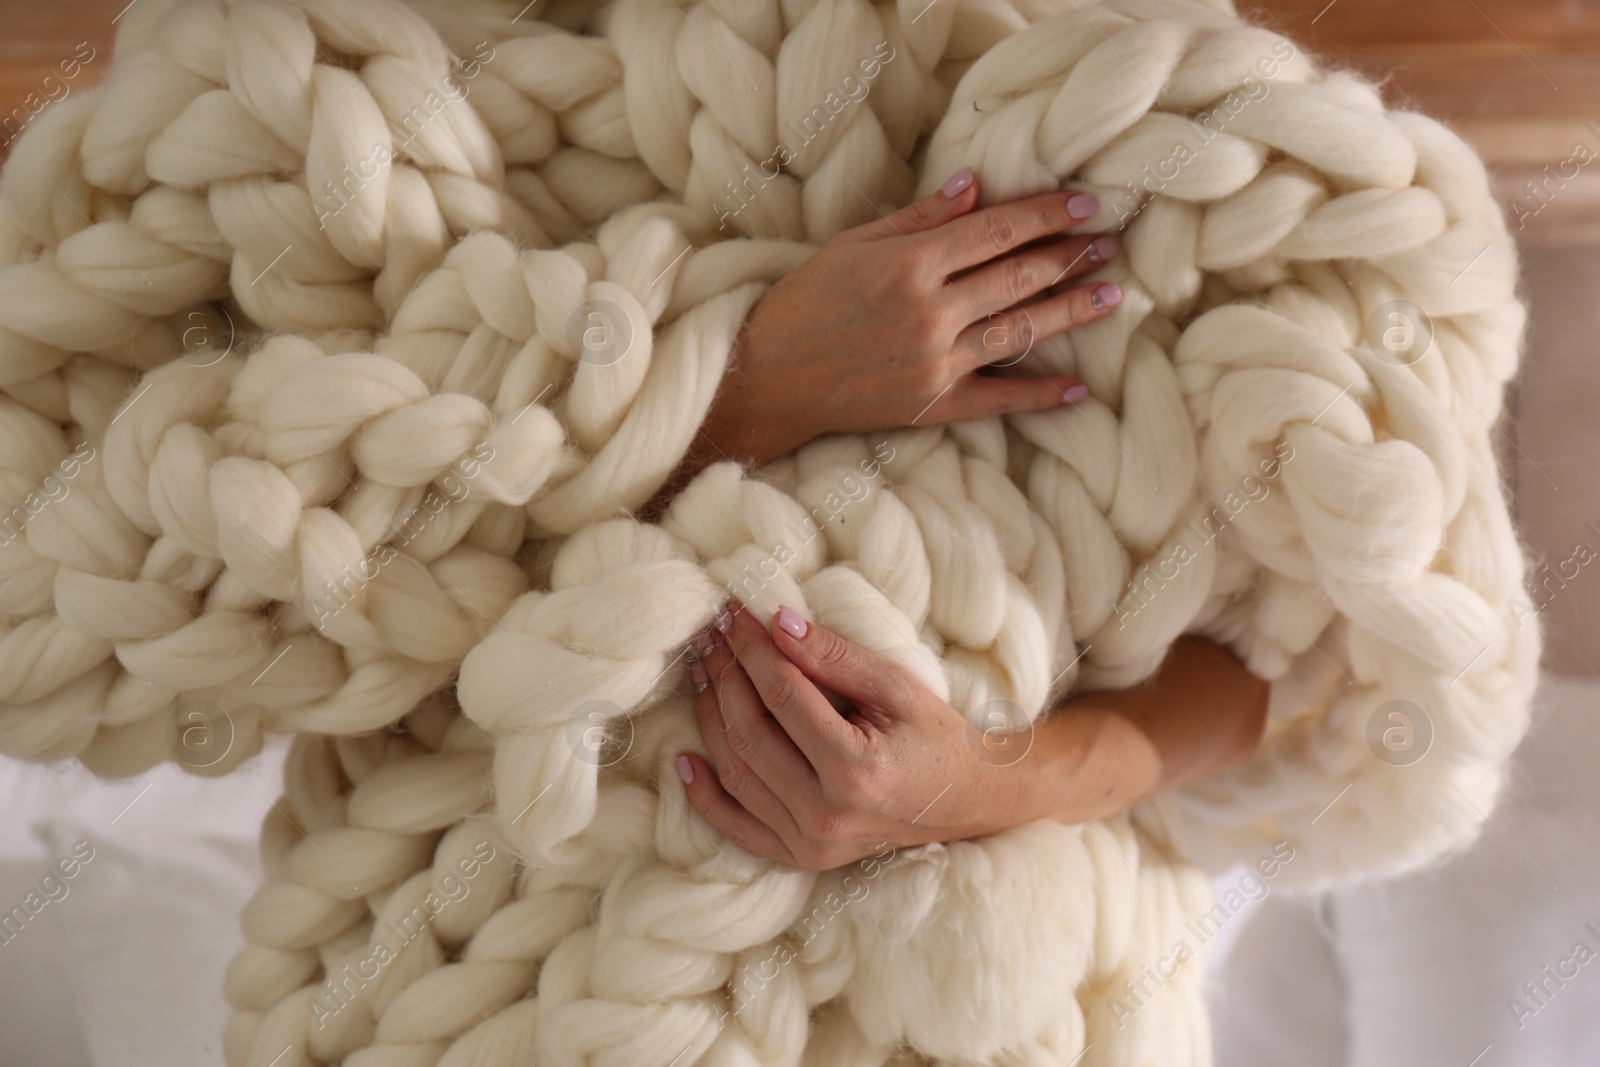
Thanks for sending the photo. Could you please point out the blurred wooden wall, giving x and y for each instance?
(41, 42)
(1520, 79)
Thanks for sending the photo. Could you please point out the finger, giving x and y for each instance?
(956, 197)
(1017, 277)
(734, 776)
(978, 396)
(803, 712)
(722, 811)
(757, 761)
(993, 231)
(865, 678)
(1006, 336)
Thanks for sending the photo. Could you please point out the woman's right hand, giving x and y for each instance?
(886, 324)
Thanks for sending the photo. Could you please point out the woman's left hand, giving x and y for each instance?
(793, 779)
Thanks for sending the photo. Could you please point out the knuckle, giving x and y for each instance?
(783, 694)
(1017, 278)
(735, 779)
(993, 334)
(832, 651)
(997, 231)
(1027, 331)
(831, 826)
(741, 738)
(1020, 330)
(929, 329)
(911, 270)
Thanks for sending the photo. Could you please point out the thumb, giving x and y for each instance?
(954, 199)
(833, 663)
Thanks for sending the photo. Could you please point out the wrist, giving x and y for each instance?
(1087, 762)
(1050, 770)
(731, 432)
(1022, 794)
(754, 420)
(1016, 790)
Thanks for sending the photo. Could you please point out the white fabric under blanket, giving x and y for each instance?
(1424, 969)
(126, 966)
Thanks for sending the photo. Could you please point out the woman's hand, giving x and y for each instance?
(886, 324)
(817, 788)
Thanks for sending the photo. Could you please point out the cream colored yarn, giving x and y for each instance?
(281, 383)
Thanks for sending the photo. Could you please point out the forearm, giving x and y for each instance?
(1104, 752)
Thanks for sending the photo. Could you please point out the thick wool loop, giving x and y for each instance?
(340, 343)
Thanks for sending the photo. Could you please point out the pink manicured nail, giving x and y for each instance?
(957, 182)
(685, 769)
(723, 620)
(1083, 205)
(1074, 393)
(697, 671)
(1105, 295)
(790, 620)
(1102, 248)
(703, 640)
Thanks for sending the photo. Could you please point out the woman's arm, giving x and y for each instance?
(1101, 753)
(789, 777)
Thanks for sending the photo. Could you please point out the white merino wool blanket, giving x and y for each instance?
(340, 340)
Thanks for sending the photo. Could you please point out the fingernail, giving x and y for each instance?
(685, 769)
(723, 620)
(1082, 205)
(957, 182)
(1102, 248)
(790, 620)
(1105, 295)
(703, 641)
(1074, 393)
(697, 671)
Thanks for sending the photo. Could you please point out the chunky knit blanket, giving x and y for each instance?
(342, 342)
